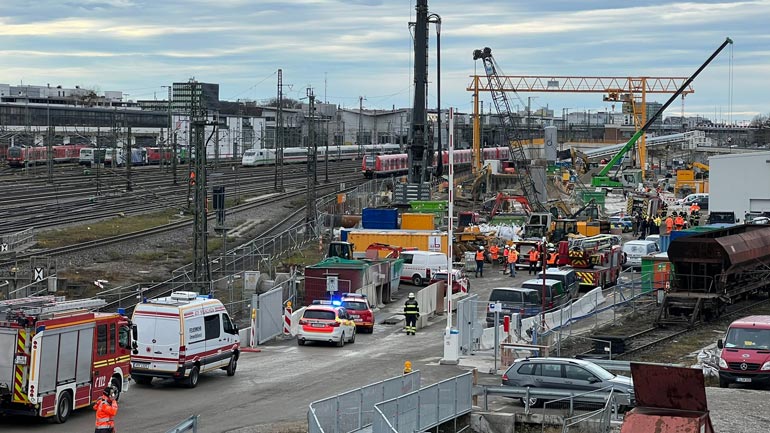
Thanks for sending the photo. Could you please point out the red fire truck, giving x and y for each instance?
(597, 260)
(56, 355)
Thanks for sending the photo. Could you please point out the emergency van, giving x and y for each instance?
(181, 336)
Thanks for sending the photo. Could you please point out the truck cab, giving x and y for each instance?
(745, 356)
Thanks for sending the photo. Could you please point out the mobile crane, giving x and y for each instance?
(603, 179)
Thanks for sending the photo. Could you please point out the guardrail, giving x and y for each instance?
(527, 394)
(188, 425)
(426, 408)
(354, 410)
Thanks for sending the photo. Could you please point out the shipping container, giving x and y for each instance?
(656, 272)
(373, 218)
(373, 278)
(417, 221)
(423, 240)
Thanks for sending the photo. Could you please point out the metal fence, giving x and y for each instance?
(354, 410)
(269, 314)
(17, 242)
(426, 408)
(188, 425)
(471, 321)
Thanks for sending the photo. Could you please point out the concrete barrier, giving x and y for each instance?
(426, 299)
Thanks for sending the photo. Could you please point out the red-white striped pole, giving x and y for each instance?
(253, 340)
(287, 319)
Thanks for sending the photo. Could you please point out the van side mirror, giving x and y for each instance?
(720, 344)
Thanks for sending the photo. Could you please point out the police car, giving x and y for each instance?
(326, 321)
(357, 306)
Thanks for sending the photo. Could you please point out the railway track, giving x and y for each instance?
(300, 191)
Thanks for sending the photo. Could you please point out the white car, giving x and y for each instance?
(326, 321)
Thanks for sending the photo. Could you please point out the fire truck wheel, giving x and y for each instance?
(232, 366)
(117, 384)
(192, 380)
(63, 408)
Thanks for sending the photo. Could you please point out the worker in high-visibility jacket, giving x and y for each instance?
(669, 224)
(513, 257)
(534, 257)
(106, 408)
(494, 251)
(480, 262)
(506, 250)
(411, 312)
(679, 222)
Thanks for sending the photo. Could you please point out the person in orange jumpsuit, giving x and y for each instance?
(106, 408)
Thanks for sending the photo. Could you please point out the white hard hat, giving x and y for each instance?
(411, 295)
(481, 248)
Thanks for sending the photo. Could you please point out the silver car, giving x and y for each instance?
(566, 374)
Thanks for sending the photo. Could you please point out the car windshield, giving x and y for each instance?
(599, 372)
(319, 314)
(742, 338)
(635, 249)
(354, 305)
(514, 296)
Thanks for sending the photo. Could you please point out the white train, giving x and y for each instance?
(256, 157)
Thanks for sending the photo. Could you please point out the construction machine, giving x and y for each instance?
(603, 178)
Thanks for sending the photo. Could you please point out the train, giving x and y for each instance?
(398, 164)
(257, 157)
(18, 156)
(715, 268)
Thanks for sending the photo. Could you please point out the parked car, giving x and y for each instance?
(555, 294)
(635, 250)
(460, 281)
(626, 223)
(515, 300)
(357, 306)
(568, 277)
(689, 199)
(326, 321)
(745, 356)
(576, 375)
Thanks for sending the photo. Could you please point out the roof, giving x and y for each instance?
(337, 262)
(548, 281)
(751, 321)
(765, 154)
(515, 289)
(322, 307)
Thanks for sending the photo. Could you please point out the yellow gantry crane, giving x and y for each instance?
(615, 89)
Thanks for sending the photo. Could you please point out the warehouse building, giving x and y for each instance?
(740, 183)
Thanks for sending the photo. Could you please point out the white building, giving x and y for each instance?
(740, 183)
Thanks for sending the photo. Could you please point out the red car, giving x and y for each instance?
(460, 282)
(360, 311)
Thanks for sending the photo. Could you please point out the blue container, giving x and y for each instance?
(344, 235)
(385, 219)
(665, 241)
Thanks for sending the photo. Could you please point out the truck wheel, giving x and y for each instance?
(232, 365)
(192, 380)
(417, 280)
(142, 380)
(63, 408)
(118, 385)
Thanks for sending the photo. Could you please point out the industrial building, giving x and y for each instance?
(740, 183)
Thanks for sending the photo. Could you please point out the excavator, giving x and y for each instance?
(603, 178)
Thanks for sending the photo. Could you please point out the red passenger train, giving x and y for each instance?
(20, 156)
(398, 164)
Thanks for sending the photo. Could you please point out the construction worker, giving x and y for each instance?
(494, 251)
(480, 262)
(513, 257)
(657, 221)
(106, 408)
(534, 257)
(694, 214)
(669, 224)
(679, 221)
(412, 312)
(506, 250)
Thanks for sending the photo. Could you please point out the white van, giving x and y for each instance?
(181, 336)
(689, 199)
(419, 266)
(635, 250)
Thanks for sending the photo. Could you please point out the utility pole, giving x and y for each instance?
(201, 268)
(312, 150)
(279, 139)
(360, 126)
(49, 143)
(174, 159)
(168, 134)
(216, 141)
(129, 157)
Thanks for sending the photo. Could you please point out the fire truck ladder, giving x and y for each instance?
(510, 127)
(38, 305)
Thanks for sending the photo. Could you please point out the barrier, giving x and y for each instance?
(354, 410)
(426, 298)
(188, 425)
(287, 319)
(426, 408)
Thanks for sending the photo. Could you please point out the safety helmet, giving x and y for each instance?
(481, 248)
(411, 295)
(107, 391)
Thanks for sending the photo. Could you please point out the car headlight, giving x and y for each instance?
(723, 363)
(766, 366)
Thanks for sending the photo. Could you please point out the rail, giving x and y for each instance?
(188, 425)
(527, 394)
(427, 407)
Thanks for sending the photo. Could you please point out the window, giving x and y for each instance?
(530, 369)
(576, 373)
(408, 258)
(551, 370)
(112, 338)
(505, 296)
(227, 324)
(211, 325)
(319, 314)
(101, 340)
(124, 337)
(354, 305)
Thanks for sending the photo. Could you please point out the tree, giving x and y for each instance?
(287, 103)
(761, 121)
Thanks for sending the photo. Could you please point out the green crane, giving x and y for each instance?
(602, 179)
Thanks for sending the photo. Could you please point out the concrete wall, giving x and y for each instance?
(740, 183)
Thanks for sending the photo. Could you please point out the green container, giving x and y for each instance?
(428, 206)
(598, 197)
(648, 271)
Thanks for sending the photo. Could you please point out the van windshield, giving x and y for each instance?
(517, 296)
(742, 338)
(636, 249)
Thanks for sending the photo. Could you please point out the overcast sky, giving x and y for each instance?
(350, 48)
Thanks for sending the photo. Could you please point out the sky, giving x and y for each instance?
(346, 49)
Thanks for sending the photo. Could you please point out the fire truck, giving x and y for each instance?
(57, 355)
(597, 260)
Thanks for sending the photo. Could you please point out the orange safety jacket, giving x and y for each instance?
(105, 413)
(534, 255)
(669, 223)
(679, 221)
(513, 256)
(505, 252)
(479, 256)
(494, 250)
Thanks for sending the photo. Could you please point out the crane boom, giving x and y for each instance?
(601, 179)
(509, 123)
